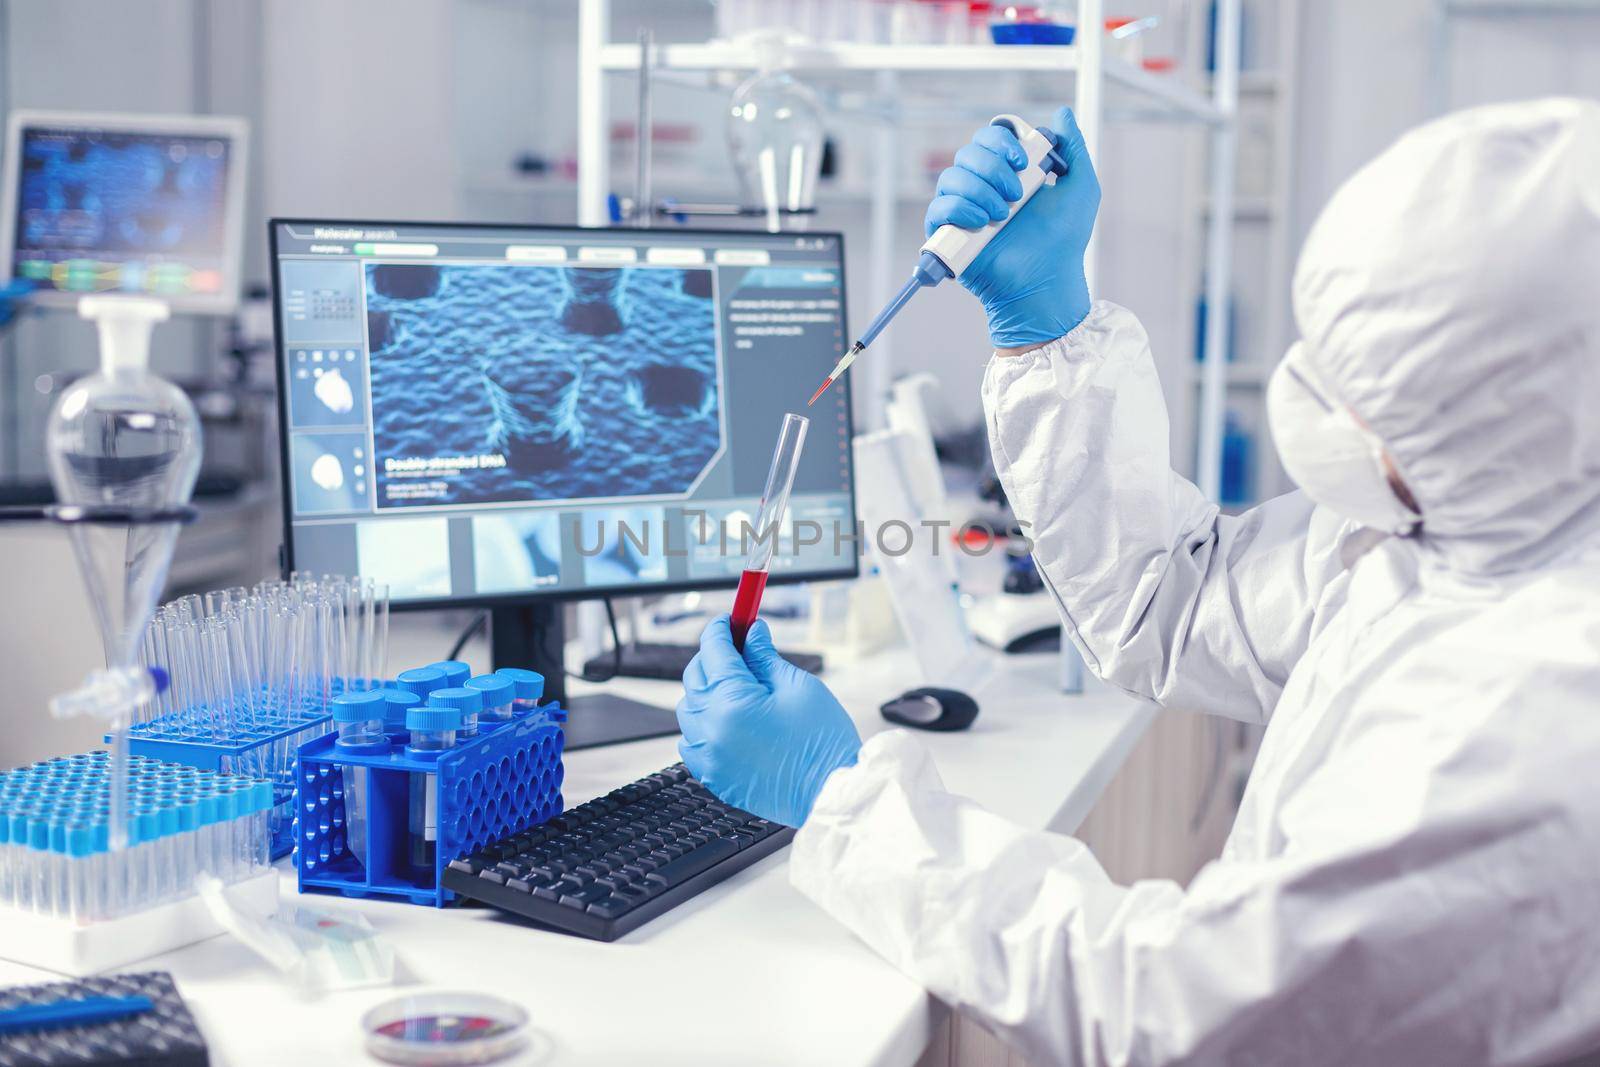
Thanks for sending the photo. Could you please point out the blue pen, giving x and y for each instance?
(84, 1011)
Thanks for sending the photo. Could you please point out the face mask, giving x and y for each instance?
(1336, 460)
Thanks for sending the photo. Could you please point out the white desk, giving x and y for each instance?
(748, 972)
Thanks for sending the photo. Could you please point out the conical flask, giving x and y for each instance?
(775, 135)
(124, 450)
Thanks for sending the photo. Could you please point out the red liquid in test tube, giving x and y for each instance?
(769, 520)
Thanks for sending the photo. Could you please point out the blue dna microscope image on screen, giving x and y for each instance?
(541, 383)
(481, 411)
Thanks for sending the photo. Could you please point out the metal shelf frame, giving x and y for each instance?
(876, 71)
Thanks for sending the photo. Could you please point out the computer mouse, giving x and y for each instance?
(932, 709)
(1044, 639)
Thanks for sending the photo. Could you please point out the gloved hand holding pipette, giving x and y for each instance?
(1029, 276)
(1041, 293)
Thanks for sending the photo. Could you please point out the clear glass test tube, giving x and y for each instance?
(768, 524)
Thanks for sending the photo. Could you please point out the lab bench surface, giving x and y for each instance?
(747, 972)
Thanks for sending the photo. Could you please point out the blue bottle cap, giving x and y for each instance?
(421, 680)
(434, 719)
(467, 701)
(358, 707)
(454, 670)
(496, 688)
(530, 684)
(396, 703)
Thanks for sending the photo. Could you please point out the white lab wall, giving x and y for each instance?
(1366, 69)
(358, 108)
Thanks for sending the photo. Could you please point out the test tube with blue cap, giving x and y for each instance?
(499, 694)
(529, 688)
(359, 718)
(455, 672)
(468, 702)
(56, 857)
(433, 732)
(421, 681)
(396, 703)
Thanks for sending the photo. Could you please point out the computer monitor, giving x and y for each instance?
(512, 416)
(149, 204)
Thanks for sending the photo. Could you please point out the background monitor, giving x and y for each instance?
(496, 414)
(149, 204)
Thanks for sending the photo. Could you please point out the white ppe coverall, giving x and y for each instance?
(1414, 875)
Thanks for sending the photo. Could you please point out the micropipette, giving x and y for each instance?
(951, 249)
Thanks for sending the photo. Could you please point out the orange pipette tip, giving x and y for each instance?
(838, 369)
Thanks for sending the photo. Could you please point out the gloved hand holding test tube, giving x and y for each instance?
(769, 522)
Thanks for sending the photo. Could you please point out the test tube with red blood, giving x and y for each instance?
(769, 520)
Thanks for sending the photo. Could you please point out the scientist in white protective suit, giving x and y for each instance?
(1414, 874)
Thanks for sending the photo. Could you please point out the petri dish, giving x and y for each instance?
(441, 1029)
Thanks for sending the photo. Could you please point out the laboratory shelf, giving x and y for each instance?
(1515, 8)
(1161, 93)
(898, 85)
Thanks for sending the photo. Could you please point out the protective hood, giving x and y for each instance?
(1450, 295)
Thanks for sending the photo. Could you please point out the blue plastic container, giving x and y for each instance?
(486, 787)
(396, 703)
(1031, 33)
(529, 687)
(499, 698)
(468, 703)
(421, 681)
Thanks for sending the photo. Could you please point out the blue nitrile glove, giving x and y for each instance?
(759, 732)
(1030, 276)
(11, 295)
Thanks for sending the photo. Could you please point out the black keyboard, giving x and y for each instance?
(613, 864)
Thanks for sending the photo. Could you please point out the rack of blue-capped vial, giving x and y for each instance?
(55, 858)
(253, 672)
(421, 773)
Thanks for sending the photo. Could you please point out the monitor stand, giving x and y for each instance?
(533, 637)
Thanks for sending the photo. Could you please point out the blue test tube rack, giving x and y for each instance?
(505, 779)
(262, 744)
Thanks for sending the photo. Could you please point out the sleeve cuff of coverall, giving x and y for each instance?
(887, 759)
(1077, 337)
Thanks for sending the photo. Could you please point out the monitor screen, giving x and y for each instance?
(475, 413)
(133, 204)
